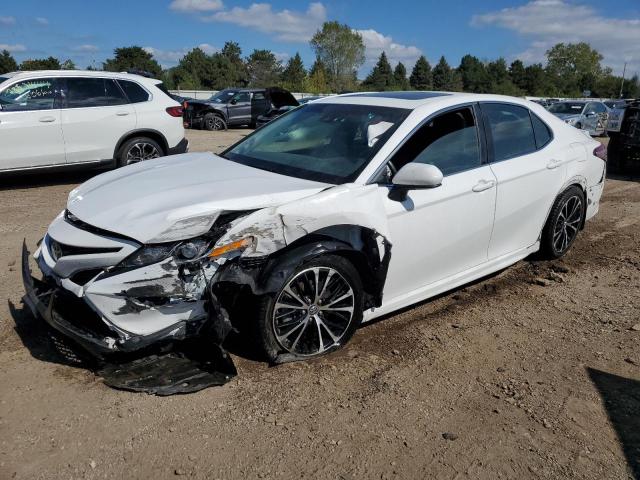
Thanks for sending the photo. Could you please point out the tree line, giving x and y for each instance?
(571, 70)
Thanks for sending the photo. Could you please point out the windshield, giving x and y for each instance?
(567, 107)
(323, 142)
(222, 96)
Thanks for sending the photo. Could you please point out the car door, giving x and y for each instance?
(95, 116)
(440, 232)
(30, 125)
(530, 168)
(590, 117)
(239, 108)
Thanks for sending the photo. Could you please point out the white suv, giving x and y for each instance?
(59, 118)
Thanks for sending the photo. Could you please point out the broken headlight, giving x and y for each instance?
(148, 255)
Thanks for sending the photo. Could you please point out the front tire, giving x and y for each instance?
(211, 121)
(139, 149)
(315, 311)
(563, 224)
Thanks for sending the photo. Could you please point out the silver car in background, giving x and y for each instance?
(586, 115)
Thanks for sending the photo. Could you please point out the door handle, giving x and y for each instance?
(483, 185)
(553, 164)
(47, 119)
(122, 114)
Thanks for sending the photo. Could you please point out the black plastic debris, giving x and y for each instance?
(171, 373)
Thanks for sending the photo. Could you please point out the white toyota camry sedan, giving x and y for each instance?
(338, 212)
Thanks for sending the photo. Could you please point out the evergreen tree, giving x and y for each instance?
(474, 75)
(400, 77)
(7, 62)
(381, 77)
(446, 78)
(264, 69)
(518, 74)
(317, 80)
(500, 80)
(421, 76)
(294, 74)
(232, 53)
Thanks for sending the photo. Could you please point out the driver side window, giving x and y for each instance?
(36, 94)
(448, 141)
(242, 97)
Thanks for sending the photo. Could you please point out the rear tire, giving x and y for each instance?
(211, 122)
(139, 149)
(563, 224)
(311, 327)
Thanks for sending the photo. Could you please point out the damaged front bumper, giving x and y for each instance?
(74, 318)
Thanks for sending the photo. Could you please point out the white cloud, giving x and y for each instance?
(18, 47)
(282, 57)
(375, 43)
(7, 21)
(285, 25)
(547, 22)
(196, 6)
(87, 47)
(169, 58)
(42, 21)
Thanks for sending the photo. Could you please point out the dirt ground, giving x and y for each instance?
(531, 373)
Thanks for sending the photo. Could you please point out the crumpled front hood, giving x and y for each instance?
(145, 201)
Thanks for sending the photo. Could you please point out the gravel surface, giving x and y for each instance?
(530, 373)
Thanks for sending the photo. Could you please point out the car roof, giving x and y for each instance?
(413, 100)
(81, 73)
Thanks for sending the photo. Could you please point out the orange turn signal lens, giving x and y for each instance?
(230, 247)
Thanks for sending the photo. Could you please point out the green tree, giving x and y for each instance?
(133, 58)
(294, 74)
(341, 50)
(68, 65)
(574, 67)
(7, 62)
(381, 77)
(517, 73)
(474, 75)
(421, 76)
(446, 78)
(536, 81)
(400, 77)
(316, 81)
(500, 80)
(264, 69)
(50, 63)
(233, 53)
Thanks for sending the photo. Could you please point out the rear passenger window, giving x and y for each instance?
(541, 131)
(448, 141)
(511, 130)
(134, 91)
(92, 92)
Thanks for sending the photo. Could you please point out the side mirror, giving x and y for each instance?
(233, 101)
(415, 176)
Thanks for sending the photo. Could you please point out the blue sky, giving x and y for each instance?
(87, 32)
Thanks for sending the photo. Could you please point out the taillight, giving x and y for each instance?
(175, 111)
(601, 152)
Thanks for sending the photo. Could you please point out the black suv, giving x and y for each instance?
(235, 106)
(624, 142)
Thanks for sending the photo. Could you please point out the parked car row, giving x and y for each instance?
(54, 119)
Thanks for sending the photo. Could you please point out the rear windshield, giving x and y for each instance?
(2, 79)
(567, 107)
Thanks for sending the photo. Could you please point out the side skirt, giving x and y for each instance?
(449, 283)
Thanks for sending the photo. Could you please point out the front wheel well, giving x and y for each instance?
(152, 134)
